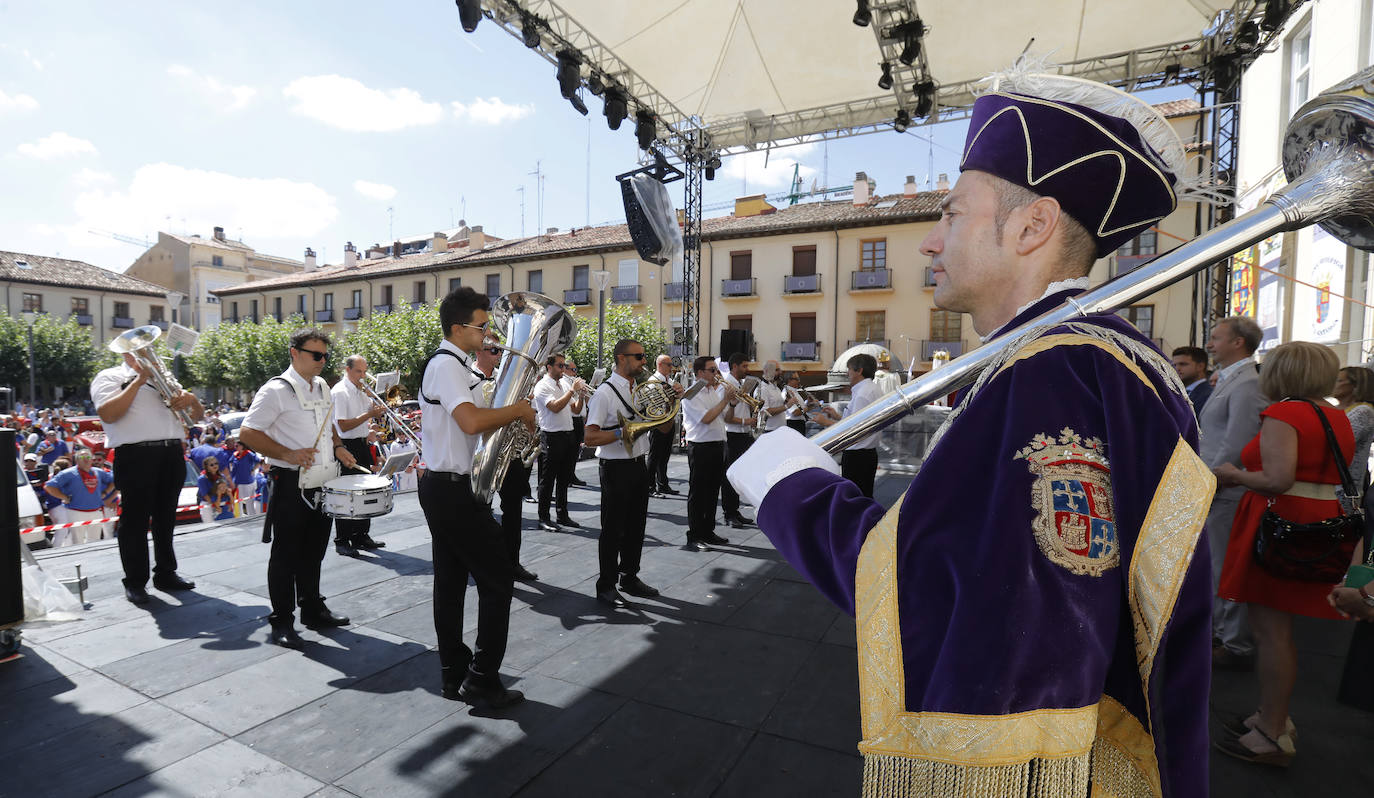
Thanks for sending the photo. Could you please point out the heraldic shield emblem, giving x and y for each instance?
(1075, 523)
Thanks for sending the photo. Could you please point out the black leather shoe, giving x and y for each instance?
(346, 549)
(579, 483)
(697, 545)
(566, 520)
(322, 618)
(366, 542)
(669, 492)
(136, 595)
(172, 582)
(453, 677)
(636, 587)
(549, 526)
(612, 597)
(716, 540)
(496, 697)
(737, 523)
(523, 574)
(286, 637)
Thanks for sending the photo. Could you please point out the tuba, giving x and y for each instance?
(1328, 158)
(139, 343)
(534, 328)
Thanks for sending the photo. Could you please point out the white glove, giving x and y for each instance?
(774, 457)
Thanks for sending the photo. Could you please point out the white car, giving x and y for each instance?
(30, 509)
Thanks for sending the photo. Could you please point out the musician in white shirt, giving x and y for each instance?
(661, 439)
(288, 423)
(554, 398)
(146, 437)
(579, 417)
(467, 540)
(772, 413)
(353, 412)
(796, 405)
(739, 436)
(704, 425)
(858, 463)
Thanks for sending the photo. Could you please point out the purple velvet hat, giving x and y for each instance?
(1095, 164)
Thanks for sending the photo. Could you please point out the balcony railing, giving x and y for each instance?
(324, 315)
(577, 296)
(121, 322)
(929, 280)
(675, 350)
(929, 348)
(353, 314)
(158, 323)
(381, 308)
(625, 293)
(737, 287)
(883, 342)
(801, 284)
(84, 319)
(870, 278)
(674, 292)
(801, 350)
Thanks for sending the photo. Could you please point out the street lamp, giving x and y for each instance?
(29, 317)
(910, 367)
(174, 300)
(602, 279)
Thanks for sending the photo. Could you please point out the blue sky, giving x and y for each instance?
(298, 124)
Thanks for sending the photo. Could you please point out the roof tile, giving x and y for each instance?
(45, 270)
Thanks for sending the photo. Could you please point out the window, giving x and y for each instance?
(1299, 67)
(1142, 316)
(536, 281)
(233, 310)
(454, 283)
(217, 260)
(741, 265)
(300, 304)
(581, 277)
(154, 313)
(121, 310)
(386, 295)
(873, 254)
(628, 272)
(493, 285)
(803, 261)
(328, 302)
(253, 309)
(357, 298)
(870, 325)
(81, 306)
(276, 308)
(419, 295)
(33, 303)
(802, 328)
(945, 325)
(1144, 244)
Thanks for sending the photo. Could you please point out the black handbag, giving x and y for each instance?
(1318, 551)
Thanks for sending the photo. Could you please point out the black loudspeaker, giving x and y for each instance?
(732, 341)
(646, 240)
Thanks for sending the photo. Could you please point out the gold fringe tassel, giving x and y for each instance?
(887, 776)
(1116, 774)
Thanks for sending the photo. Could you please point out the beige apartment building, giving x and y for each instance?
(196, 267)
(106, 302)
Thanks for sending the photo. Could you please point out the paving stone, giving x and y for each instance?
(212, 562)
(622, 655)
(715, 591)
(178, 666)
(358, 652)
(416, 623)
(551, 625)
(332, 792)
(229, 768)
(775, 766)
(821, 705)
(383, 598)
(247, 697)
(108, 752)
(116, 609)
(786, 608)
(842, 631)
(644, 750)
(37, 664)
(59, 705)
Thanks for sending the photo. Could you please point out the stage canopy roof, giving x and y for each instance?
(753, 72)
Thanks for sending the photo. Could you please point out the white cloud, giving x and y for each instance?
(491, 111)
(224, 96)
(90, 178)
(349, 105)
(263, 208)
(17, 102)
(56, 145)
(33, 61)
(377, 191)
(749, 167)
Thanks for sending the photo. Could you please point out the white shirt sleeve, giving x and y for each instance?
(105, 387)
(600, 413)
(267, 405)
(545, 390)
(452, 384)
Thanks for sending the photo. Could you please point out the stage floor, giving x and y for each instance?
(739, 681)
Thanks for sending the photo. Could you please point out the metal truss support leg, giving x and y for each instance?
(691, 257)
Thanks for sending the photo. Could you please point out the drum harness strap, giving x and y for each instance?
(312, 504)
(441, 351)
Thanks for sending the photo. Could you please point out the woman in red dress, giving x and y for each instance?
(1290, 464)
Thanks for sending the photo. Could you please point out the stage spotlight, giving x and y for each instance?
(1247, 38)
(470, 13)
(925, 98)
(645, 129)
(595, 85)
(885, 82)
(529, 31)
(712, 164)
(616, 108)
(902, 122)
(910, 34)
(1274, 12)
(576, 102)
(569, 73)
(862, 16)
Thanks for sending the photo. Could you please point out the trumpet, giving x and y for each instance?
(138, 342)
(754, 404)
(393, 398)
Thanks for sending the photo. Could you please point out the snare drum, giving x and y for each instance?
(356, 496)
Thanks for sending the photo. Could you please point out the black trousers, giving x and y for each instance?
(706, 473)
(350, 530)
(860, 466)
(557, 458)
(300, 535)
(798, 424)
(624, 511)
(467, 543)
(579, 434)
(736, 444)
(660, 449)
(512, 495)
(149, 478)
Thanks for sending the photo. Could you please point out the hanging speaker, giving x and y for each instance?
(732, 341)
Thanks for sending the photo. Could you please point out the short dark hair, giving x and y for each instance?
(701, 363)
(305, 335)
(622, 346)
(863, 363)
(552, 359)
(1194, 353)
(736, 359)
(458, 306)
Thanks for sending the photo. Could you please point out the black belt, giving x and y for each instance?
(164, 442)
(450, 476)
(613, 460)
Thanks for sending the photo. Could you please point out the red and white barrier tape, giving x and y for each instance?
(69, 526)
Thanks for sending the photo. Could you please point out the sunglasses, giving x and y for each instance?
(491, 350)
(483, 327)
(317, 355)
(636, 355)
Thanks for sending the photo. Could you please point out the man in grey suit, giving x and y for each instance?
(1228, 421)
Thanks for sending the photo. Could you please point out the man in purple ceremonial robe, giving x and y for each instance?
(1034, 613)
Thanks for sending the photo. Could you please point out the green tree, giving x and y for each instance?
(622, 321)
(400, 340)
(63, 356)
(241, 355)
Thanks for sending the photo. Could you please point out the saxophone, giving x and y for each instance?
(534, 327)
